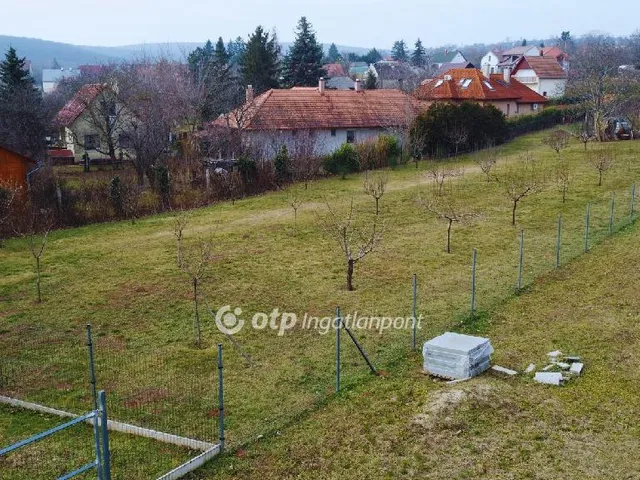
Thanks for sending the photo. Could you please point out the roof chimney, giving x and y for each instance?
(448, 77)
(506, 73)
(249, 97)
(486, 69)
(358, 88)
(321, 85)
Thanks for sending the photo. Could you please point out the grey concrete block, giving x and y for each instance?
(530, 368)
(504, 370)
(550, 378)
(576, 368)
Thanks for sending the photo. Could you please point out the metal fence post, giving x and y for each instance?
(104, 424)
(611, 215)
(473, 284)
(559, 241)
(94, 394)
(631, 201)
(586, 229)
(415, 309)
(220, 398)
(338, 328)
(520, 266)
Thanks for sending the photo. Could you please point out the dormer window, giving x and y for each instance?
(438, 83)
(465, 82)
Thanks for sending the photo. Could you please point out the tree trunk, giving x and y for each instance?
(377, 209)
(140, 175)
(449, 236)
(350, 264)
(513, 214)
(195, 302)
(599, 178)
(564, 193)
(38, 279)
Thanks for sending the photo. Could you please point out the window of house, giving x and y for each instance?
(438, 83)
(333, 132)
(534, 106)
(351, 136)
(91, 142)
(508, 109)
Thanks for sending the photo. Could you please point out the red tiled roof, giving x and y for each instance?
(554, 52)
(545, 67)
(306, 108)
(479, 88)
(525, 93)
(74, 107)
(334, 70)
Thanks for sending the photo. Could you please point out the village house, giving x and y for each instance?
(561, 57)
(447, 56)
(92, 122)
(543, 75)
(14, 168)
(398, 75)
(51, 77)
(502, 91)
(328, 118)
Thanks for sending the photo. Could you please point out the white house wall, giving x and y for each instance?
(269, 143)
(553, 86)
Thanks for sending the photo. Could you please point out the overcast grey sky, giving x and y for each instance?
(362, 23)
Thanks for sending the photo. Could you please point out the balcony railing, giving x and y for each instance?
(527, 79)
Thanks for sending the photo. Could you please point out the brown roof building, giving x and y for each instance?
(465, 84)
(333, 117)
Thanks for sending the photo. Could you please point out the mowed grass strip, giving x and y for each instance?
(123, 279)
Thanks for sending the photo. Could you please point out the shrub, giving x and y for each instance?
(282, 164)
(343, 161)
(115, 195)
(547, 118)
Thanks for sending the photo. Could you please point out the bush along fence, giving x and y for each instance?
(102, 464)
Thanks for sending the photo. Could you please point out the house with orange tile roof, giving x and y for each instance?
(328, 118)
(543, 75)
(92, 122)
(556, 52)
(502, 91)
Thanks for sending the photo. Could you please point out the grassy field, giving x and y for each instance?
(122, 279)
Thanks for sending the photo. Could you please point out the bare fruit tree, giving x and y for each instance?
(375, 185)
(457, 136)
(193, 260)
(356, 241)
(564, 178)
(486, 159)
(37, 235)
(557, 140)
(295, 201)
(602, 160)
(520, 180)
(448, 207)
(440, 172)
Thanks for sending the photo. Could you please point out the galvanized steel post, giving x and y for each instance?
(338, 325)
(586, 229)
(473, 284)
(611, 214)
(104, 425)
(220, 397)
(94, 394)
(559, 241)
(521, 262)
(631, 201)
(415, 308)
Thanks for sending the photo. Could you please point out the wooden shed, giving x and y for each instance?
(14, 167)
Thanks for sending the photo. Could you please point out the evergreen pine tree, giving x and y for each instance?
(370, 82)
(419, 55)
(13, 73)
(524, 42)
(259, 63)
(399, 51)
(372, 56)
(303, 63)
(333, 55)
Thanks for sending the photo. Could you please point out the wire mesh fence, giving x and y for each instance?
(271, 380)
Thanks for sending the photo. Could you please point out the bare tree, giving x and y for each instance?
(593, 78)
(355, 241)
(457, 135)
(557, 140)
(447, 207)
(37, 235)
(564, 178)
(521, 179)
(602, 160)
(375, 185)
(295, 200)
(194, 261)
(440, 171)
(486, 159)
